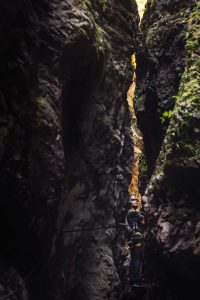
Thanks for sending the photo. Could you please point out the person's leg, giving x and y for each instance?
(137, 264)
(131, 270)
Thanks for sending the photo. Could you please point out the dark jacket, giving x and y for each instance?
(134, 226)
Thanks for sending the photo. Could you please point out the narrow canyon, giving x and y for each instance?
(99, 99)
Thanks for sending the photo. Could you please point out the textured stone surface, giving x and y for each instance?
(31, 151)
(160, 63)
(172, 196)
(99, 166)
(12, 286)
(66, 147)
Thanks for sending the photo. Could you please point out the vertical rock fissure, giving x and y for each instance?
(66, 152)
(134, 188)
(67, 148)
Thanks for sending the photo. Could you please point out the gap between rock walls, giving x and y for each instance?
(139, 158)
(72, 151)
(164, 71)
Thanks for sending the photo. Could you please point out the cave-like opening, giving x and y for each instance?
(81, 71)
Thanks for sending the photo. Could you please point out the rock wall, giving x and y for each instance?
(12, 284)
(160, 63)
(66, 146)
(172, 195)
(98, 167)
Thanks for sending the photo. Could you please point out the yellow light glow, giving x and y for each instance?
(138, 142)
(141, 7)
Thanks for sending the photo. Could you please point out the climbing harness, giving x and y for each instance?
(136, 239)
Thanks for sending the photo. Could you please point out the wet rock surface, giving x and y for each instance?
(66, 150)
(66, 146)
(160, 64)
(171, 198)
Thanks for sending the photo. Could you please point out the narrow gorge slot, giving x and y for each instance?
(73, 150)
(138, 181)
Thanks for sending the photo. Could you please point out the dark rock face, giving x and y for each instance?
(66, 146)
(98, 165)
(160, 63)
(172, 196)
(32, 160)
(12, 285)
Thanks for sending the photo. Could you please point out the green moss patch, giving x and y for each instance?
(182, 142)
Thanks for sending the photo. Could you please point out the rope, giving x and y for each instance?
(95, 228)
(35, 267)
(71, 231)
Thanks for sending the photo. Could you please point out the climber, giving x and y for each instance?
(134, 202)
(135, 241)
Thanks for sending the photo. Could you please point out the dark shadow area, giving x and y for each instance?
(186, 181)
(20, 248)
(175, 278)
(83, 69)
(182, 277)
(147, 111)
(183, 288)
(152, 131)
